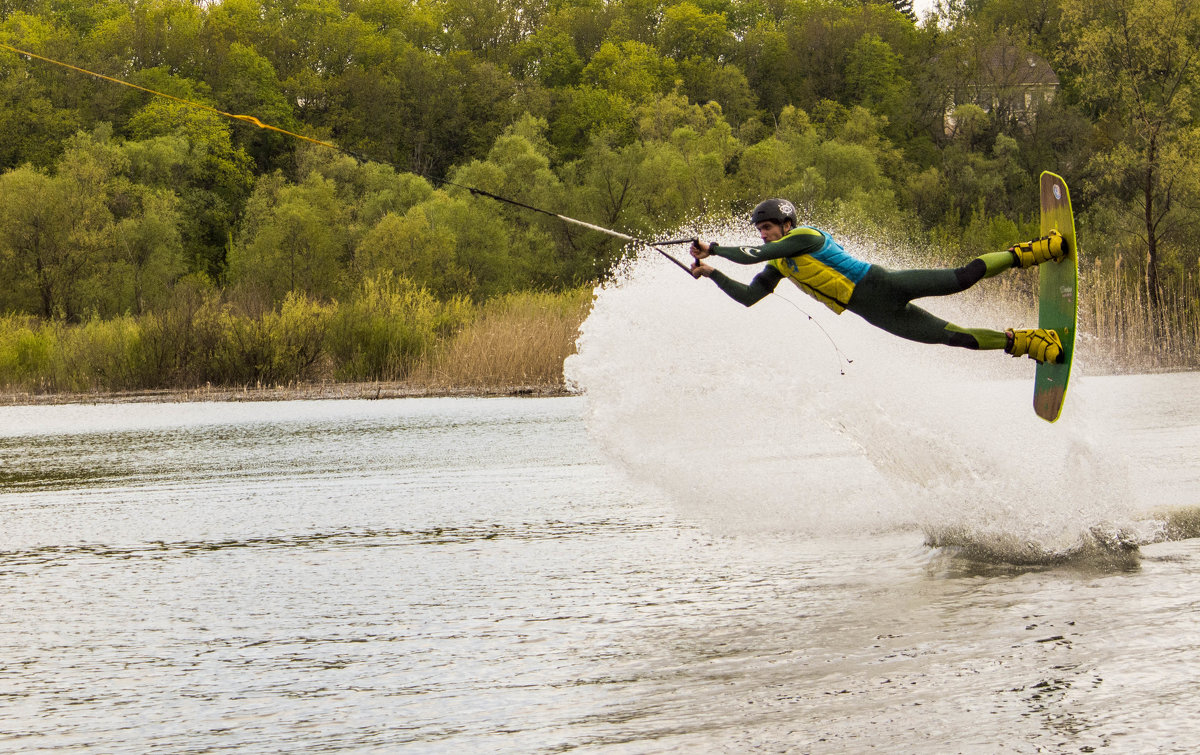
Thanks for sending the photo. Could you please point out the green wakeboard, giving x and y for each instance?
(1058, 297)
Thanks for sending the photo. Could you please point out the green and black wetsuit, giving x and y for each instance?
(817, 264)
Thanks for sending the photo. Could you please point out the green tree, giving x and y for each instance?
(1138, 67)
(87, 239)
(632, 70)
(496, 256)
(216, 177)
(411, 246)
(34, 127)
(42, 107)
(905, 7)
(780, 159)
(147, 252)
(1035, 22)
(131, 246)
(488, 28)
(550, 57)
(37, 261)
(87, 172)
(873, 77)
(165, 33)
(293, 241)
(636, 20)
(586, 112)
(245, 82)
(687, 31)
(705, 81)
(517, 167)
(768, 64)
(419, 109)
(368, 190)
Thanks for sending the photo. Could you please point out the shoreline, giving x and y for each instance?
(294, 392)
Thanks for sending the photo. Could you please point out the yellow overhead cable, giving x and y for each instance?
(192, 103)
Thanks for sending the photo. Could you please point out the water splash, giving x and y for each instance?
(745, 418)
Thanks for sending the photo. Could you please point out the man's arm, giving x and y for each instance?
(762, 285)
(789, 246)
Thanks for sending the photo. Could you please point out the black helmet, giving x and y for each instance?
(775, 210)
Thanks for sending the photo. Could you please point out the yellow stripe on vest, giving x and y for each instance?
(815, 278)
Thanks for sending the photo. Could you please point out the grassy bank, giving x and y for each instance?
(395, 339)
(389, 334)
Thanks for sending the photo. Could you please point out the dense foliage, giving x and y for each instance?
(634, 114)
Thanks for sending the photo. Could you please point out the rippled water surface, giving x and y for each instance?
(477, 575)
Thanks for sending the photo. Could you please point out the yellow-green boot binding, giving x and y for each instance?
(1046, 249)
(1038, 344)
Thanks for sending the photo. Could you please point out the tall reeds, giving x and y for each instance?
(393, 331)
(389, 331)
(517, 340)
(1125, 333)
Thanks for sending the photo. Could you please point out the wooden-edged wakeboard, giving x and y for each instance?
(1058, 297)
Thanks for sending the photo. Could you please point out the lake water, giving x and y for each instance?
(474, 575)
(726, 545)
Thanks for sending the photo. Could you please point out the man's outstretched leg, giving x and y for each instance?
(983, 266)
(1038, 344)
(884, 299)
(1051, 248)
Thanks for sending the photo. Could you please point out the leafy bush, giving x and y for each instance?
(389, 326)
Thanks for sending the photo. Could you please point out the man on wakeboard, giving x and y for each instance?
(820, 267)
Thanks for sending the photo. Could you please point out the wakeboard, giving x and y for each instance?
(1058, 297)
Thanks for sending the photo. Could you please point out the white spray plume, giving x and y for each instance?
(743, 416)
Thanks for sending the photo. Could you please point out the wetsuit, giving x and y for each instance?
(819, 266)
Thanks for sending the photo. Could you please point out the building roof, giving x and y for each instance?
(1007, 65)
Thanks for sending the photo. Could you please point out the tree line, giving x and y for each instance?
(634, 114)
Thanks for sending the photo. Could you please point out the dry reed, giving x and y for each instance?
(1125, 333)
(517, 341)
